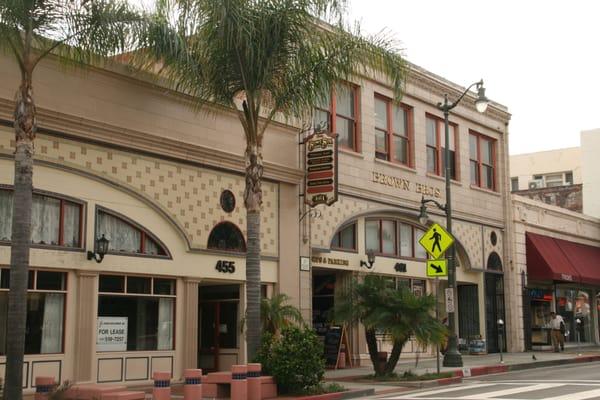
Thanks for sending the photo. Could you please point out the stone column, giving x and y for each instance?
(190, 323)
(85, 338)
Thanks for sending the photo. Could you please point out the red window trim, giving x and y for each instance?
(144, 233)
(332, 114)
(479, 137)
(390, 131)
(61, 223)
(439, 148)
(397, 224)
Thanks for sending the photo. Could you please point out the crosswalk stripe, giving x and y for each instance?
(506, 392)
(446, 390)
(587, 394)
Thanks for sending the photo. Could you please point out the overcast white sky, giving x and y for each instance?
(541, 59)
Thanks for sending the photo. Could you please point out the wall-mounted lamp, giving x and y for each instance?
(370, 260)
(100, 250)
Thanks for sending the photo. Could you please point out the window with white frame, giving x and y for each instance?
(145, 304)
(46, 293)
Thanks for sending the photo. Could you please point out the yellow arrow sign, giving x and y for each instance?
(436, 241)
(437, 267)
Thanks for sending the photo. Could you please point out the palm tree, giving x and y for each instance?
(30, 30)
(397, 313)
(276, 314)
(265, 59)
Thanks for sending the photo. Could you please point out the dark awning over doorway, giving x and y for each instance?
(551, 259)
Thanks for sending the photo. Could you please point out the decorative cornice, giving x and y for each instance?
(86, 130)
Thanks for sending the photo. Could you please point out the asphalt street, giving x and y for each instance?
(567, 382)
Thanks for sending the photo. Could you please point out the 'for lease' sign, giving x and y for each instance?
(112, 334)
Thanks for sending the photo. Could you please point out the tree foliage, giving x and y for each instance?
(263, 59)
(395, 312)
(276, 314)
(76, 32)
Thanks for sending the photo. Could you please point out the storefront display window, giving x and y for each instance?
(573, 305)
(541, 304)
(143, 306)
(45, 311)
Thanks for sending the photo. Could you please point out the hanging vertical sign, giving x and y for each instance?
(321, 169)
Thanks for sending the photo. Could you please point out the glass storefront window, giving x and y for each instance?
(541, 304)
(45, 311)
(573, 305)
(146, 304)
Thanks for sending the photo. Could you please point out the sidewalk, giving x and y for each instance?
(474, 365)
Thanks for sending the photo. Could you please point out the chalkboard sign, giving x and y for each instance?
(333, 341)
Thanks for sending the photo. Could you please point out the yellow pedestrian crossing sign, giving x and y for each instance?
(437, 267)
(436, 241)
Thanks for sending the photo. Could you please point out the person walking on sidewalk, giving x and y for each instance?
(557, 325)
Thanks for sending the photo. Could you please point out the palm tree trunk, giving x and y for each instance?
(373, 351)
(253, 201)
(25, 126)
(390, 366)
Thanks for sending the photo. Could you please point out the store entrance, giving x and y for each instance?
(218, 326)
(323, 300)
(494, 310)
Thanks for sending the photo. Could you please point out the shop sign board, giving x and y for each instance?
(436, 241)
(111, 334)
(321, 183)
(437, 267)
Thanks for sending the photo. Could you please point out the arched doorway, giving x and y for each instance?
(494, 304)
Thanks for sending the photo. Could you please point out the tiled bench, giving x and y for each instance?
(218, 385)
(126, 395)
(92, 391)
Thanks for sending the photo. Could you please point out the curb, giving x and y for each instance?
(500, 368)
(349, 394)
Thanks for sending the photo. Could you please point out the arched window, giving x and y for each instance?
(345, 238)
(494, 263)
(127, 237)
(226, 236)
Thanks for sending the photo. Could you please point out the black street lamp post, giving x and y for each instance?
(452, 358)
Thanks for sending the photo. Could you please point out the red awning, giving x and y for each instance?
(585, 259)
(546, 261)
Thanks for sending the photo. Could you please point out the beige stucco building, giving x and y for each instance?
(120, 156)
(391, 158)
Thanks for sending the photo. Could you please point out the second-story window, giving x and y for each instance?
(345, 238)
(338, 113)
(390, 237)
(124, 237)
(482, 160)
(392, 135)
(436, 145)
(54, 221)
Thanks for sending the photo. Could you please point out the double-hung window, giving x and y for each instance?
(482, 151)
(436, 145)
(54, 221)
(338, 113)
(46, 293)
(392, 131)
